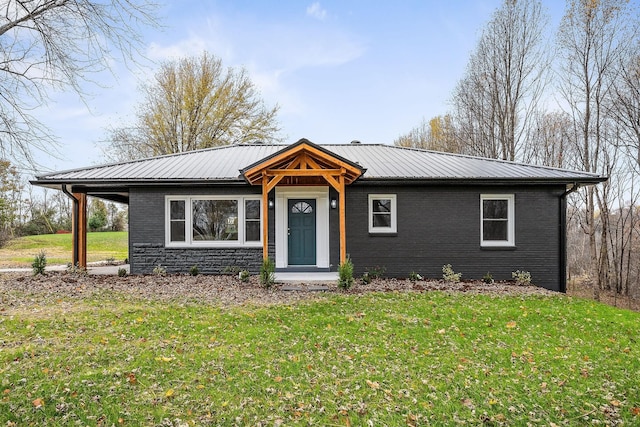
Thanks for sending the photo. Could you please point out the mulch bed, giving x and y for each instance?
(22, 290)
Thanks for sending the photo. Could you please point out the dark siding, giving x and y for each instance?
(438, 226)
(147, 227)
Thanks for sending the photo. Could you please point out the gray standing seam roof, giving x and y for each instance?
(382, 162)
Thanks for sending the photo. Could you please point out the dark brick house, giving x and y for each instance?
(309, 206)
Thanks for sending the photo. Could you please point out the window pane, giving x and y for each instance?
(177, 209)
(382, 205)
(215, 220)
(302, 208)
(252, 231)
(495, 209)
(177, 231)
(382, 220)
(252, 209)
(494, 230)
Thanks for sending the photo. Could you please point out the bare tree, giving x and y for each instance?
(624, 105)
(549, 141)
(504, 81)
(594, 37)
(195, 103)
(58, 44)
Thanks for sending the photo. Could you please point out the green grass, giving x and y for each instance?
(100, 246)
(377, 359)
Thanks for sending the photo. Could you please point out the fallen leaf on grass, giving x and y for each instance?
(373, 384)
(635, 411)
(169, 393)
(38, 403)
(511, 325)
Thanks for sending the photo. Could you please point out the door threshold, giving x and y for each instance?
(303, 269)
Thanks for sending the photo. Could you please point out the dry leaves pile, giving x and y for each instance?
(20, 289)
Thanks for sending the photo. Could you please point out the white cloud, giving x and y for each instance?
(316, 11)
(193, 45)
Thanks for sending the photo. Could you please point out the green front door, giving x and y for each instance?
(302, 231)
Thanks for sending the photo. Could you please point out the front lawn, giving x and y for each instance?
(429, 358)
(101, 246)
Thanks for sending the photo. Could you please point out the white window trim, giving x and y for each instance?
(189, 242)
(393, 228)
(511, 221)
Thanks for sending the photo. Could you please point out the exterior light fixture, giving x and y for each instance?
(271, 204)
(334, 203)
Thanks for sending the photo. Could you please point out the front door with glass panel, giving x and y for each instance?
(302, 231)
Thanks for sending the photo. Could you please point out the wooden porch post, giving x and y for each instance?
(343, 234)
(80, 230)
(265, 217)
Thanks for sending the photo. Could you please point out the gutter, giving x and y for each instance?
(563, 236)
(76, 211)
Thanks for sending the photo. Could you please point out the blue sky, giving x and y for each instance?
(340, 70)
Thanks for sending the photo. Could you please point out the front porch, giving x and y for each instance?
(296, 184)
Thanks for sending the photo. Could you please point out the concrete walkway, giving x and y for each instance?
(95, 268)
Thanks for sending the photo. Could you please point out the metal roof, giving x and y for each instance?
(382, 162)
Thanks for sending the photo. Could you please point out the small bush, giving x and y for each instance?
(522, 278)
(159, 270)
(345, 275)
(366, 278)
(413, 276)
(194, 270)
(487, 278)
(449, 275)
(76, 269)
(39, 263)
(267, 273)
(376, 272)
(244, 276)
(122, 272)
(231, 270)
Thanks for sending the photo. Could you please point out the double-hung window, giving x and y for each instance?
(497, 223)
(213, 221)
(382, 213)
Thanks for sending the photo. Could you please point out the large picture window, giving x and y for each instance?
(213, 221)
(497, 220)
(382, 213)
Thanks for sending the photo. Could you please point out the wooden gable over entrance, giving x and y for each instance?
(303, 163)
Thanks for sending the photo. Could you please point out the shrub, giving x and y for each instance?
(413, 276)
(194, 270)
(449, 275)
(366, 278)
(159, 270)
(39, 263)
(376, 272)
(76, 269)
(345, 275)
(267, 273)
(522, 278)
(244, 276)
(231, 270)
(487, 278)
(122, 272)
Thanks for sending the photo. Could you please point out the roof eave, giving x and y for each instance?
(483, 181)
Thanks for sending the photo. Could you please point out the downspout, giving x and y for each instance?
(563, 236)
(74, 216)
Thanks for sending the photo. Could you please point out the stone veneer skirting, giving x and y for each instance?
(144, 257)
